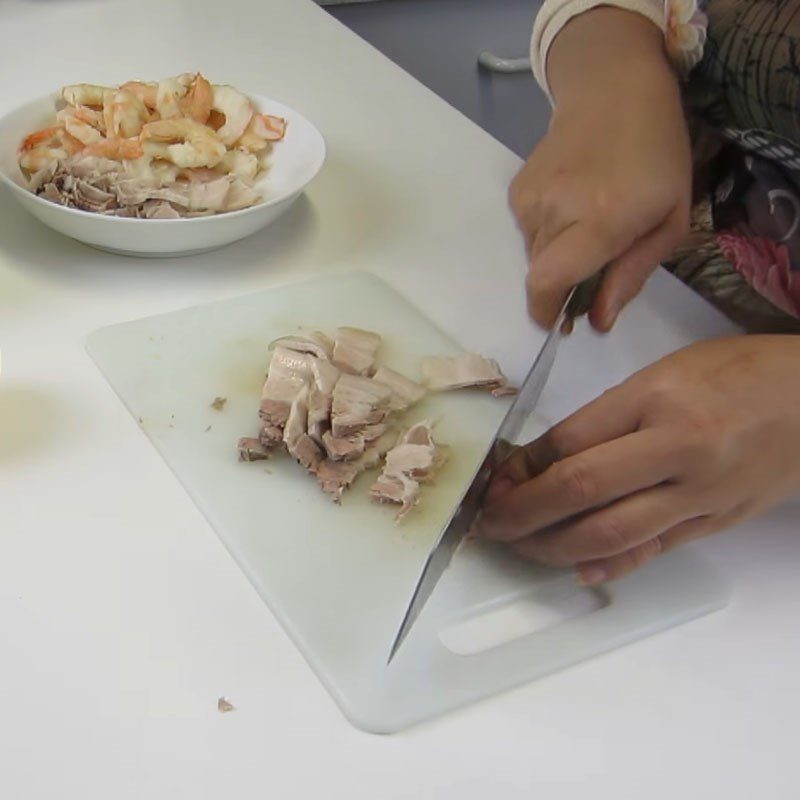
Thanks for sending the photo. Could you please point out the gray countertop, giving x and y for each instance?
(438, 42)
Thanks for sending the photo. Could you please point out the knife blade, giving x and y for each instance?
(578, 302)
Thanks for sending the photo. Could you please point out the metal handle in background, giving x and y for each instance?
(505, 65)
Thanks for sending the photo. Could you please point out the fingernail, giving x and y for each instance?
(604, 321)
(611, 319)
(590, 576)
(499, 487)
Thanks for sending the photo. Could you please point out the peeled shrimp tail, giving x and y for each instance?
(269, 127)
(197, 103)
(262, 129)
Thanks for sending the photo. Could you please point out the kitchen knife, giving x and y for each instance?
(578, 302)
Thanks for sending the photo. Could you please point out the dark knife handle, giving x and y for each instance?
(585, 294)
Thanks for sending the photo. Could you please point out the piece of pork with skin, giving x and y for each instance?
(336, 476)
(295, 434)
(443, 373)
(413, 461)
(354, 350)
(416, 454)
(315, 344)
(308, 453)
(405, 392)
(317, 430)
(358, 402)
(269, 435)
(288, 373)
(344, 448)
(347, 448)
(325, 376)
(297, 421)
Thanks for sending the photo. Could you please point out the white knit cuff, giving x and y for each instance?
(555, 14)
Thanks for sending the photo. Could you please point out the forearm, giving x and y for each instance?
(606, 47)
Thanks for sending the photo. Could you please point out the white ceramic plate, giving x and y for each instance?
(293, 163)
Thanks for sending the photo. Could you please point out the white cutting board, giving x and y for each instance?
(338, 578)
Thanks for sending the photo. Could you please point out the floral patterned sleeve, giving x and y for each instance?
(682, 22)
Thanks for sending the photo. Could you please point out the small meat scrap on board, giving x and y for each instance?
(405, 392)
(412, 462)
(224, 706)
(251, 449)
(443, 373)
(354, 350)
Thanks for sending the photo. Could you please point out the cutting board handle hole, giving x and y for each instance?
(533, 612)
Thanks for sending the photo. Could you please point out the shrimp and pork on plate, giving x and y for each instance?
(178, 147)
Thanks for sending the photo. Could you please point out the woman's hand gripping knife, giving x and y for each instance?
(610, 183)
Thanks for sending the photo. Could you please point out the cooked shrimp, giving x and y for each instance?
(269, 127)
(197, 103)
(127, 115)
(168, 97)
(42, 137)
(116, 149)
(263, 128)
(85, 114)
(250, 142)
(237, 109)
(183, 142)
(81, 131)
(40, 157)
(180, 141)
(71, 144)
(146, 92)
(86, 94)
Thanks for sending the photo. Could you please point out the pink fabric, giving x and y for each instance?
(765, 265)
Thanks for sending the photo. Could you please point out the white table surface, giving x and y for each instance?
(123, 619)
